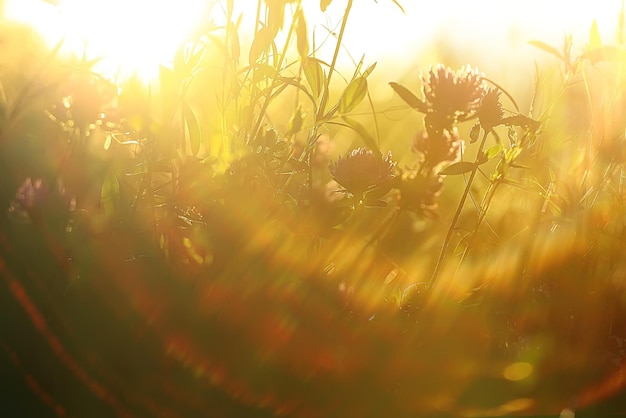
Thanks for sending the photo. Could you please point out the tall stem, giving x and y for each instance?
(320, 111)
(457, 215)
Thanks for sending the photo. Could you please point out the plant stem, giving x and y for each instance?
(457, 215)
(320, 110)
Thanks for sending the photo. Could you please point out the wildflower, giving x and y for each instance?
(438, 147)
(451, 95)
(490, 112)
(361, 170)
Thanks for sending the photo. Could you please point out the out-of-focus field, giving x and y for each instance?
(312, 209)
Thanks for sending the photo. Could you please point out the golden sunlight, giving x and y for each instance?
(128, 36)
(136, 36)
(476, 31)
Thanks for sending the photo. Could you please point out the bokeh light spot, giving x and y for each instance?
(518, 371)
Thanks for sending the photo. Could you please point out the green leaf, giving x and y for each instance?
(493, 151)
(353, 95)
(276, 15)
(302, 35)
(357, 70)
(520, 120)
(369, 70)
(262, 41)
(193, 128)
(410, 98)
(110, 194)
(315, 75)
(460, 167)
(594, 36)
(474, 133)
(295, 124)
(547, 48)
(324, 4)
(368, 139)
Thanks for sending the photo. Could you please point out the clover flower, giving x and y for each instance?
(451, 95)
(490, 112)
(361, 170)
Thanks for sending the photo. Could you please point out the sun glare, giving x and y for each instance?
(136, 36)
(128, 36)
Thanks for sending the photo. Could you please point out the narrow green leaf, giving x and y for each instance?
(314, 75)
(110, 194)
(547, 48)
(353, 95)
(262, 41)
(594, 36)
(410, 98)
(460, 167)
(368, 139)
(369, 70)
(193, 128)
(357, 70)
(302, 35)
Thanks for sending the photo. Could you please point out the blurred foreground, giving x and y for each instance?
(257, 234)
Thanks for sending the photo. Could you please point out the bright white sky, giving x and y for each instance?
(140, 34)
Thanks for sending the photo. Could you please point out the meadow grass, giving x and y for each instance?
(246, 213)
